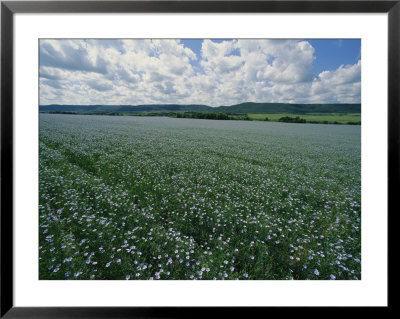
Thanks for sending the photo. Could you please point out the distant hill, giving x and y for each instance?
(290, 108)
(123, 108)
(243, 108)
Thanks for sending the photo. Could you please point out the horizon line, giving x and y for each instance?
(199, 104)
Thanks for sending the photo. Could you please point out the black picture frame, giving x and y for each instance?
(9, 8)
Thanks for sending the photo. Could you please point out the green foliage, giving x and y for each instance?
(289, 119)
(203, 115)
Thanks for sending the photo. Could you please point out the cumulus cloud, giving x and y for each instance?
(70, 55)
(340, 86)
(100, 85)
(280, 61)
(166, 71)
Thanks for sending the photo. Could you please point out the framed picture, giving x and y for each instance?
(158, 156)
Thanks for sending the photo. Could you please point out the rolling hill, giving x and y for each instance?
(243, 108)
(123, 108)
(258, 108)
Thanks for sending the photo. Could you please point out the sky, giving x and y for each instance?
(213, 72)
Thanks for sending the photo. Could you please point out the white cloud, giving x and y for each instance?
(165, 71)
(343, 75)
(341, 86)
(278, 61)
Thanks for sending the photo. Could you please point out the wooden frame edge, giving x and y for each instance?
(9, 8)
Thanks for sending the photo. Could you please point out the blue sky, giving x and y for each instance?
(200, 71)
(330, 54)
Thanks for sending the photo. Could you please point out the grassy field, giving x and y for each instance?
(166, 198)
(331, 117)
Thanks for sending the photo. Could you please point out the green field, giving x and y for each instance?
(315, 118)
(341, 118)
(166, 198)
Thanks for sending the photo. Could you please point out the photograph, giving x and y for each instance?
(199, 159)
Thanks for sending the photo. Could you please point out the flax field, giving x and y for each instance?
(157, 198)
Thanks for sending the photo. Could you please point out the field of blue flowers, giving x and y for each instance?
(165, 198)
